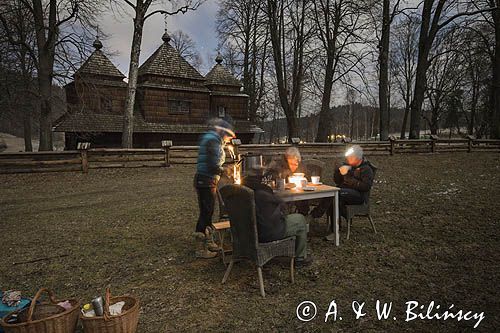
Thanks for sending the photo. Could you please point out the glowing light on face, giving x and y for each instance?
(349, 152)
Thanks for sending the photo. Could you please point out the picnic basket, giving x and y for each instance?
(126, 322)
(45, 317)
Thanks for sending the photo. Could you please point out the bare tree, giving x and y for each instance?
(54, 24)
(289, 32)
(495, 91)
(445, 76)
(436, 14)
(339, 25)
(186, 47)
(403, 61)
(143, 9)
(243, 37)
(18, 77)
(389, 11)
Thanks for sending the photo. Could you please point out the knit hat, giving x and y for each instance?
(223, 125)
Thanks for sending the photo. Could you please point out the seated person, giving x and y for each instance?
(355, 179)
(289, 164)
(272, 224)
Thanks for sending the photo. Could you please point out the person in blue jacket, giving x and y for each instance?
(211, 157)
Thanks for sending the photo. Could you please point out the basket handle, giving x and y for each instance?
(107, 315)
(37, 296)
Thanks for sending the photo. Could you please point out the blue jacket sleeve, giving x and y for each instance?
(214, 157)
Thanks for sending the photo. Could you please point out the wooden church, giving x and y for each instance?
(173, 101)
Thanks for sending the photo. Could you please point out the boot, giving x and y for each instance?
(209, 237)
(202, 251)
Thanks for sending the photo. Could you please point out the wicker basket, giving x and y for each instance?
(64, 322)
(126, 322)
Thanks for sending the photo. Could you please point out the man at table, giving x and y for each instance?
(211, 157)
(272, 223)
(286, 166)
(355, 179)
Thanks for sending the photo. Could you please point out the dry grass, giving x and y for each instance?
(437, 216)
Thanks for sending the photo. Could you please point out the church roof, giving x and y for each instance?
(166, 61)
(219, 75)
(113, 123)
(99, 64)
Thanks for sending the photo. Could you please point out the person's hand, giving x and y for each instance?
(344, 169)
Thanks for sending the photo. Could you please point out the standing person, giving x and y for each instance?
(211, 157)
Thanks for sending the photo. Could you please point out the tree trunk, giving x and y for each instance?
(324, 124)
(277, 34)
(495, 114)
(28, 146)
(405, 120)
(293, 128)
(128, 119)
(45, 91)
(475, 91)
(384, 73)
(46, 33)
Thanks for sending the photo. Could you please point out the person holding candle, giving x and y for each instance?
(211, 157)
(355, 179)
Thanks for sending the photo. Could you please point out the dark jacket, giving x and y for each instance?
(280, 169)
(268, 210)
(359, 178)
(211, 157)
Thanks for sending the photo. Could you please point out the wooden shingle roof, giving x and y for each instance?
(99, 64)
(219, 75)
(113, 123)
(166, 61)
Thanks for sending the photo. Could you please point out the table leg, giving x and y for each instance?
(336, 218)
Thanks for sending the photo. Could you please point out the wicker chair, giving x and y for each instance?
(240, 205)
(359, 210)
(314, 167)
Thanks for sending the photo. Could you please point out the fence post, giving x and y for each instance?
(83, 147)
(166, 144)
(392, 139)
(471, 141)
(434, 138)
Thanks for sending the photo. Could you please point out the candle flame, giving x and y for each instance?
(230, 148)
(236, 175)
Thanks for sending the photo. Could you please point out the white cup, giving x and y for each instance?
(315, 179)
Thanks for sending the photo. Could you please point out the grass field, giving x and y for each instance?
(439, 240)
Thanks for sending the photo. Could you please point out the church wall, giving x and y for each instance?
(235, 106)
(173, 106)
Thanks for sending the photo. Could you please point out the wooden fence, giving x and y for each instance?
(86, 158)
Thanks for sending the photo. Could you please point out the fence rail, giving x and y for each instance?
(87, 158)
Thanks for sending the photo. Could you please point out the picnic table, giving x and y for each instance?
(319, 192)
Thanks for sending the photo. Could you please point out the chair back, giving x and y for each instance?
(374, 169)
(314, 167)
(240, 206)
